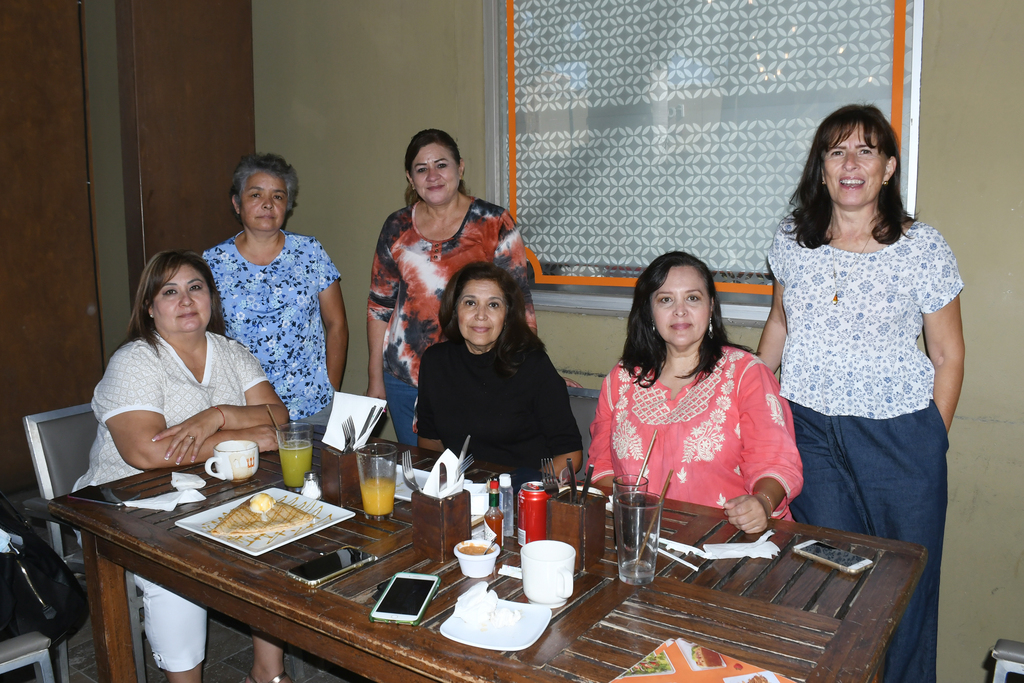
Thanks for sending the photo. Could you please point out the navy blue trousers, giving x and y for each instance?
(883, 478)
(401, 405)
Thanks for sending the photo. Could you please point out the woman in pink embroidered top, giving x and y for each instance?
(419, 249)
(722, 426)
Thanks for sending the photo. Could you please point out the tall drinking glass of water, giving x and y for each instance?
(637, 523)
(295, 446)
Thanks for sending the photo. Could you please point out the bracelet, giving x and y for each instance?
(769, 499)
(225, 418)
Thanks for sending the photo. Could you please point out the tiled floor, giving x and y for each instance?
(228, 653)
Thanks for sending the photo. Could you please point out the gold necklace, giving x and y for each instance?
(835, 273)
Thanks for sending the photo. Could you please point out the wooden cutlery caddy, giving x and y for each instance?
(439, 524)
(581, 525)
(339, 478)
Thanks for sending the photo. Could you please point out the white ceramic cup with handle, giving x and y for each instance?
(234, 460)
(547, 572)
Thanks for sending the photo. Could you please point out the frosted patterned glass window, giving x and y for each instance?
(642, 127)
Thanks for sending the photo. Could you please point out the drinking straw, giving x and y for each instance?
(273, 419)
(661, 502)
(643, 466)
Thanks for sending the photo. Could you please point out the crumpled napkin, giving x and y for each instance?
(479, 607)
(186, 485)
(762, 548)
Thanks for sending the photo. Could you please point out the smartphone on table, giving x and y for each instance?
(330, 566)
(833, 557)
(405, 598)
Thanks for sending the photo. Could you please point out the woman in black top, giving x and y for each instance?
(492, 379)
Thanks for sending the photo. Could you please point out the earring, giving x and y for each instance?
(711, 330)
(822, 182)
(885, 182)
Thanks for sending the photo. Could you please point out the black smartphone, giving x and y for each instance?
(102, 494)
(332, 565)
(406, 598)
(832, 556)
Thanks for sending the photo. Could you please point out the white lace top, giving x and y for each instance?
(858, 355)
(139, 378)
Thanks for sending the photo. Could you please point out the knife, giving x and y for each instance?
(586, 483)
(465, 447)
(366, 425)
(572, 480)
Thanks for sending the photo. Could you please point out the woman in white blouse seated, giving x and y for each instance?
(171, 392)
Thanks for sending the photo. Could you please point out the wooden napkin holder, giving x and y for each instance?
(438, 524)
(339, 478)
(580, 525)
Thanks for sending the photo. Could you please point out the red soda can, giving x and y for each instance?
(533, 513)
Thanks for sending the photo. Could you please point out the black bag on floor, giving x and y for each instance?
(37, 590)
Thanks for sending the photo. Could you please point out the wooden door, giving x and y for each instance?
(50, 337)
(187, 117)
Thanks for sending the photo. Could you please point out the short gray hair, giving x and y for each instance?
(271, 164)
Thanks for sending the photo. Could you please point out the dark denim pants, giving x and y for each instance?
(883, 478)
(401, 405)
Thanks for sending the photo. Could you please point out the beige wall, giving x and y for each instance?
(972, 159)
(341, 86)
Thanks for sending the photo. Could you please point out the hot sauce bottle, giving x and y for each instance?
(495, 518)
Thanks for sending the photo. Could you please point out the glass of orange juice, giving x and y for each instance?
(377, 463)
(295, 446)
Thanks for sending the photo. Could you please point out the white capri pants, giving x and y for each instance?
(176, 628)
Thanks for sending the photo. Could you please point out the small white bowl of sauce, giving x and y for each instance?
(472, 560)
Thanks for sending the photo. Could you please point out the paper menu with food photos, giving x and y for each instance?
(680, 661)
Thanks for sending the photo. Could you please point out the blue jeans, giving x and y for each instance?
(883, 478)
(401, 405)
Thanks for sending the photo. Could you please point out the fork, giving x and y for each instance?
(349, 428)
(547, 470)
(408, 473)
(465, 465)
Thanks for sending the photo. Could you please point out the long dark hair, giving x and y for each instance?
(644, 353)
(516, 338)
(430, 136)
(157, 272)
(812, 204)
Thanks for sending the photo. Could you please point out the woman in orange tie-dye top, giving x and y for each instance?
(722, 427)
(420, 247)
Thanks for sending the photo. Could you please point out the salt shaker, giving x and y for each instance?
(311, 486)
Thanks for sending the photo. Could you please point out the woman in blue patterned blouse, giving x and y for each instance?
(856, 281)
(281, 292)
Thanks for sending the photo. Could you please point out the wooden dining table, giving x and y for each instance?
(787, 614)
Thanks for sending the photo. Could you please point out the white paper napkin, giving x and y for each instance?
(182, 481)
(450, 462)
(762, 547)
(167, 501)
(479, 607)
(358, 407)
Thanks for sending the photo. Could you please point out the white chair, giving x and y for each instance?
(1009, 656)
(29, 648)
(59, 443)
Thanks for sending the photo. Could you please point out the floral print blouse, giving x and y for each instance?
(853, 321)
(720, 435)
(275, 311)
(410, 273)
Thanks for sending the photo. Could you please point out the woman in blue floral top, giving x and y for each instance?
(281, 291)
(856, 281)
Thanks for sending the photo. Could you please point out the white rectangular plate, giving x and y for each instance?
(518, 636)
(324, 515)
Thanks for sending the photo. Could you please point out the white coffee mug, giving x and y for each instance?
(547, 572)
(234, 460)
